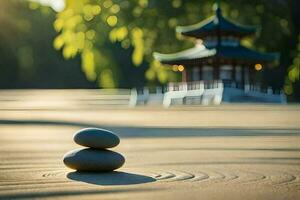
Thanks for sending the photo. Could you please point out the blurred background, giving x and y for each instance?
(54, 44)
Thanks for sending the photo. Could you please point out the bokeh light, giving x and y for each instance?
(258, 67)
(181, 68)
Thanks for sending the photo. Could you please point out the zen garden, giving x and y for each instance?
(148, 99)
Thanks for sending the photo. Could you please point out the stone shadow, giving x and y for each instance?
(110, 178)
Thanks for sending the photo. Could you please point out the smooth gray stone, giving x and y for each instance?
(96, 138)
(96, 160)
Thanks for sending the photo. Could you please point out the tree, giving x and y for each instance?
(292, 82)
(28, 59)
(292, 85)
(88, 27)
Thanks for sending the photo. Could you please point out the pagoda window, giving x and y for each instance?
(226, 72)
(210, 41)
(247, 75)
(196, 74)
(229, 41)
(207, 73)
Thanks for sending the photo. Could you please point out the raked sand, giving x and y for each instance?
(224, 152)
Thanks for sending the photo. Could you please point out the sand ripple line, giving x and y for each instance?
(229, 176)
(54, 174)
(286, 178)
(176, 175)
(171, 176)
(201, 176)
(252, 177)
(165, 176)
(182, 176)
(226, 176)
(30, 183)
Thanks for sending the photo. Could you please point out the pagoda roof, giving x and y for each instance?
(200, 52)
(214, 24)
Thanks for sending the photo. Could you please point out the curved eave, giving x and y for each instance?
(184, 56)
(212, 24)
(238, 54)
(191, 28)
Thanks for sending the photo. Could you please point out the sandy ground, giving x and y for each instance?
(216, 152)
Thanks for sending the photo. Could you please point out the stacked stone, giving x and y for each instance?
(96, 157)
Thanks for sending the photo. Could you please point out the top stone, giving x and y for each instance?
(96, 138)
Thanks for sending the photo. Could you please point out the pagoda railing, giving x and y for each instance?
(195, 85)
(255, 88)
(233, 84)
(250, 87)
(207, 91)
(204, 92)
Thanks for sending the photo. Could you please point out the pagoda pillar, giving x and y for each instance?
(216, 71)
(216, 67)
(251, 75)
(233, 73)
(200, 72)
(184, 76)
(243, 77)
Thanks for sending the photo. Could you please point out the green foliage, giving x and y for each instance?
(86, 26)
(28, 59)
(293, 72)
(79, 34)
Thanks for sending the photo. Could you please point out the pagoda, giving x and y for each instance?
(218, 53)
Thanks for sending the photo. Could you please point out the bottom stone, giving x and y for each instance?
(96, 160)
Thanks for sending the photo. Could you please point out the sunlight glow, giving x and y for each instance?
(57, 5)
